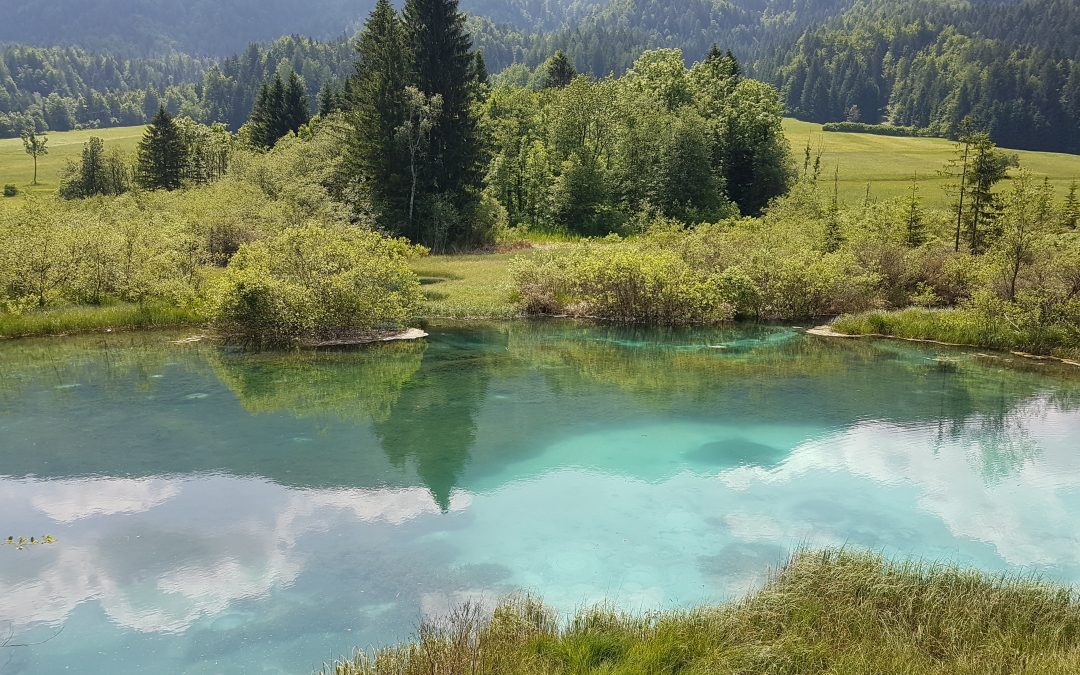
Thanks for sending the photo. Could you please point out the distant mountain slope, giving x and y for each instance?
(201, 27)
(1008, 67)
(222, 27)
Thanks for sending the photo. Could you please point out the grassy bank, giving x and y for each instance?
(823, 612)
(89, 319)
(961, 326)
(473, 286)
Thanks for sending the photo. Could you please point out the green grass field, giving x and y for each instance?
(17, 167)
(888, 163)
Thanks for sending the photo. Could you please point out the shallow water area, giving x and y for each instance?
(222, 512)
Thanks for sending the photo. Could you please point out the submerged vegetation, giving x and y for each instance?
(835, 611)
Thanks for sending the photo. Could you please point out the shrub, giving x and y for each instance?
(10, 190)
(621, 282)
(878, 129)
(316, 283)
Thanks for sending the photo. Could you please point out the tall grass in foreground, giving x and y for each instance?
(834, 611)
(965, 326)
(86, 319)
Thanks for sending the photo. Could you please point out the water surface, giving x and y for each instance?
(217, 512)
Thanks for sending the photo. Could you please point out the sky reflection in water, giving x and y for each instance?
(221, 512)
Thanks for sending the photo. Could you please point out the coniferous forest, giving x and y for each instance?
(1009, 68)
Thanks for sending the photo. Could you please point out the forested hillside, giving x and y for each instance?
(223, 27)
(66, 88)
(1005, 66)
(1010, 69)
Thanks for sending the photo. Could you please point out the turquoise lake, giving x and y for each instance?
(221, 512)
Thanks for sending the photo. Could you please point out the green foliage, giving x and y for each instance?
(315, 283)
(378, 104)
(95, 173)
(691, 144)
(161, 156)
(620, 282)
(557, 71)
(930, 68)
(36, 146)
(417, 144)
(878, 129)
(821, 612)
(280, 108)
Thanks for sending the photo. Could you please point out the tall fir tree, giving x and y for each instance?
(161, 154)
(834, 234)
(295, 110)
(915, 227)
(377, 91)
(1070, 210)
(558, 71)
(443, 65)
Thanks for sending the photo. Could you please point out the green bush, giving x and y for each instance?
(621, 282)
(316, 283)
(10, 190)
(878, 129)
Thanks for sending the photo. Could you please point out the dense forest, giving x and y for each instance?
(1005, 67)
(998, 67)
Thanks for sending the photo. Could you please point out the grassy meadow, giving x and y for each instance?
(17, 167)
(888, 162)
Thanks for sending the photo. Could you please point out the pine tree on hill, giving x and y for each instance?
(161, 154)
(295, 110)
(442, 62)
(376, 94)
(558, 71)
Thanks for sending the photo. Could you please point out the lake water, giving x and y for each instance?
(217, 512)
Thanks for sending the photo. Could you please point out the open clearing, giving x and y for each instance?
(888, 163)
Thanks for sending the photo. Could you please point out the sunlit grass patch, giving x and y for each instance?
(86, 319)
(960, 326)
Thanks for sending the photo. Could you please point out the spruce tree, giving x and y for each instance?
(268, 121)
(93, 176)
(328, 100)
(278, 126)
(442, 64)
(161, 154)
(558, 72)
(1070, 210)
(295, 111)
(916, 229)
(260, 122)
(834, 235)
(377, 91)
